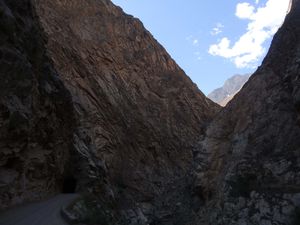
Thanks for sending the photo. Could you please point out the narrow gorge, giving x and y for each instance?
(92, 104)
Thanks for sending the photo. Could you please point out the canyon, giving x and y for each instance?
(91, 103)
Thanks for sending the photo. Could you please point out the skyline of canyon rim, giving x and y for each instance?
(212, 47)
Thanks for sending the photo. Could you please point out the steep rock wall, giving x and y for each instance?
(111, 110)
(251, 151)
(36, 113)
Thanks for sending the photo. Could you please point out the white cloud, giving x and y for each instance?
(193, 40)
(196, 42)
(263, 23)
(217, 29)
(244, 10)
(256, 1)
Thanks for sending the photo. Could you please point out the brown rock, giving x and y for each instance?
(36, 120)
(140, 114)
(100, 102)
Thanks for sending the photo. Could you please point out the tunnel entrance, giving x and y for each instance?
(69, 185)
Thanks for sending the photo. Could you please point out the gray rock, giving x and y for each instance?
(230, 88)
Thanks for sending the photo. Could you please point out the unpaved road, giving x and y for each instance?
(40, 213)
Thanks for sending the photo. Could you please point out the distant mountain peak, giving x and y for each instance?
(231, 86)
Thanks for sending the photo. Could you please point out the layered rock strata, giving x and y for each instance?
(90, 97)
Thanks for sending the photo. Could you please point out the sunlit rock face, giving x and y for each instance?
(252, 147)
(230, 88)
(89, 95)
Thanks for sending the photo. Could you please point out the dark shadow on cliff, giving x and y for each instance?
(69, 185)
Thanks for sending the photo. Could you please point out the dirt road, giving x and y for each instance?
(40, 213)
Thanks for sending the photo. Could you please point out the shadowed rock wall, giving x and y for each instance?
(252, 148)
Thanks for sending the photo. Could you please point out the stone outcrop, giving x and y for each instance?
(88, 96)
(250, 174)
(230, 88)
(36, 119)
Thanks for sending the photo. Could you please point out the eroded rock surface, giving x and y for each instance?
(90, 101)
(36, 119)
(98, 101)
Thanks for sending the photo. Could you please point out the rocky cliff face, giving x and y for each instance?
(89, 95)
(36, 120)
(139, 116)
(230, 88)
(252, 148)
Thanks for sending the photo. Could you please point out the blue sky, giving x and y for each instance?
(211, 40)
